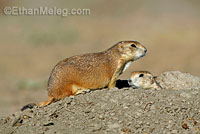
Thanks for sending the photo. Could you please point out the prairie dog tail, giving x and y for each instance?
(40, 104)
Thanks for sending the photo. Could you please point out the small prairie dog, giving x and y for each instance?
(85, 72)
(143, 79)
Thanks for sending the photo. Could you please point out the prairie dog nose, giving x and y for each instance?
(145, 50)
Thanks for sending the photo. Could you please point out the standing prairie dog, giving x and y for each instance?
(143, 79)
(81, 73)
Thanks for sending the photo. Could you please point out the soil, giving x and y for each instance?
(171, 110)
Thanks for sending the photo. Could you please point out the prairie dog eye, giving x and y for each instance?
(133, 45)
(141, 75)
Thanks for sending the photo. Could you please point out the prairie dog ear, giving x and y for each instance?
(121, 48)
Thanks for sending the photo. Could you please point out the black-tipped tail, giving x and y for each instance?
(31, 105)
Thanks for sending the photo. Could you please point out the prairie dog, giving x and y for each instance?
(143, 79)
(85, 72)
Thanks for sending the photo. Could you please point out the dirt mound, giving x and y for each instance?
(178, 80)
(114, 111)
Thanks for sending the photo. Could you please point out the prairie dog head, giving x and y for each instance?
(143, 79)
(131, 50)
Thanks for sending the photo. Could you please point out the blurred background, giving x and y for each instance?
(30, 46)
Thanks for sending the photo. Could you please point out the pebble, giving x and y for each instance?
(112, 114)
(125, 107)
(101, 117)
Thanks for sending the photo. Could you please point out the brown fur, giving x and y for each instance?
(77, 74)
